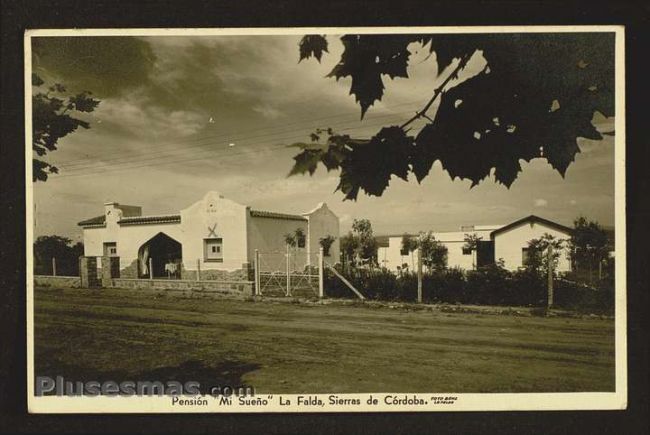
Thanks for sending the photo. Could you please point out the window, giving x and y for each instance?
(524, 256)
(467, 251)
(403, 252)
(213, 249)
(110, 249)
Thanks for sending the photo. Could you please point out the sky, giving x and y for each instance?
(183, 115)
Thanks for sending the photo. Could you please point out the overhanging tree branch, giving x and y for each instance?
(454, 74)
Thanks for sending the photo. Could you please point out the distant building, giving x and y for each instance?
(498, 242)
(214, 234)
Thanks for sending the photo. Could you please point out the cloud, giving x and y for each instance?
(158, 98)
(106, 66)
(540, 202)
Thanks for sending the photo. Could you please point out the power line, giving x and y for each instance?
(229, 135)
(108, 170)
(178, 151)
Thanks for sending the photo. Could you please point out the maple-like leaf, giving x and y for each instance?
(535, 98)
(312, 45)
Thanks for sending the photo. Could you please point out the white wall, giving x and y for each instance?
(508, 245)
(390, 256)
(267, 235)
(322, 222)
(196, 221)
(241, 235)
(230, 220)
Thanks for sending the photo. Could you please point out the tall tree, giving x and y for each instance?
(589, 245)
(538, 259)
(471, 244)
(536, 95)
(434, 254)
(60, 248)
(360, 246)
(54, 115)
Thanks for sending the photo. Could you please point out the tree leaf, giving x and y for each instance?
(312, 45)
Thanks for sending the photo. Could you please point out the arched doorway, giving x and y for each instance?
(164, 254)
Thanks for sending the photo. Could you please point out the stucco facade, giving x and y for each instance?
(213, 234)
(506, 242)
(510, 241)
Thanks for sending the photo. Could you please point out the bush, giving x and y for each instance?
(489, 285)
(446, 285)
(573, 296)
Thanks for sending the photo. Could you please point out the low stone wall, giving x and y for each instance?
(186, 287)
(242, 274)
(57, 281)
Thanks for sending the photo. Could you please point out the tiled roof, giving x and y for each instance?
(143, 220)
(273, 215)
(100, 221)
(93, 222)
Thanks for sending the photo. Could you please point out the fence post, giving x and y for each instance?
(549, 261)
(198, 269)
(257, 273)
(150, 268)
(321, 273)
(53, 266)
(600, 269)
(419, 273)
(288, 271)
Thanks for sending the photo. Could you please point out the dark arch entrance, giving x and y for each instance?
(166, 256)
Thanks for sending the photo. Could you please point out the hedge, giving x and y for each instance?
(490, 285)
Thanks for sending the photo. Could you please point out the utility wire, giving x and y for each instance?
(107, 168)
(182, 150)
(230, 135)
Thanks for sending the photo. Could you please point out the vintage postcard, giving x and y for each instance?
(325, 219)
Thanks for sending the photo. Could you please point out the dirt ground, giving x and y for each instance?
(282, 347)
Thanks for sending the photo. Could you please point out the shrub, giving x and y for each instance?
(573, 296)
(446, 285)
(489, 285)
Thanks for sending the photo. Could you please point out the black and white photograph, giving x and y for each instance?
(325, 219)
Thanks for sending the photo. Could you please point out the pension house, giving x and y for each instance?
(508, 243)
(216, 236)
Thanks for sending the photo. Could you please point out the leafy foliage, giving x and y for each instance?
(409, 244)
(312, 45)
(359, 246)
(52, 119)
(434, 254)
(589, 244)
(471, 241)
(326, 243)
(62, 249)
(536, 96)
(538, 259)
(296, 238)
(489, 285)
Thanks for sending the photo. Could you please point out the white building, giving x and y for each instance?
(215, 235)
(498, 242)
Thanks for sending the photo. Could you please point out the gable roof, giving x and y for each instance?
(532, 219)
